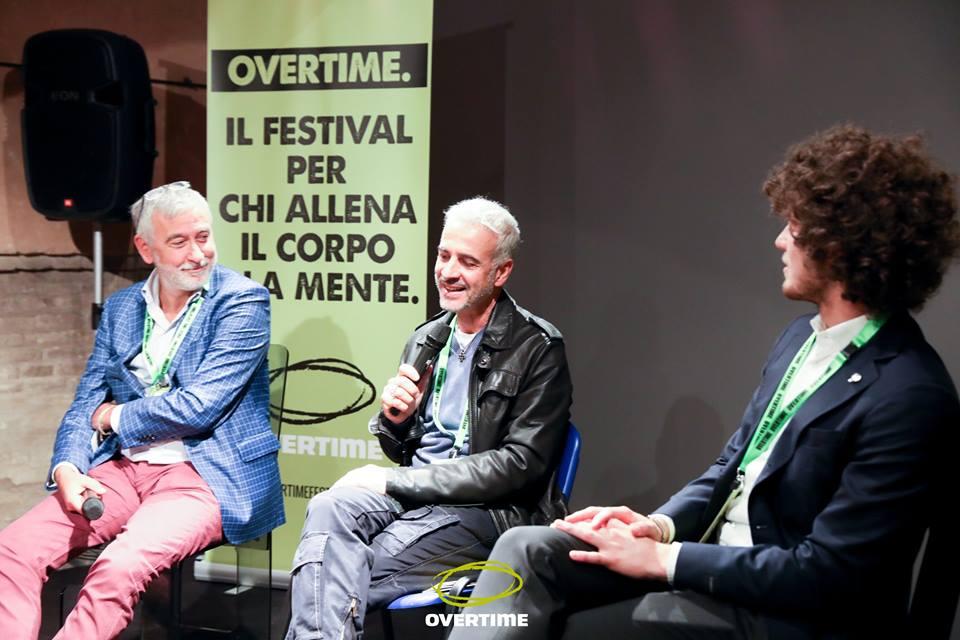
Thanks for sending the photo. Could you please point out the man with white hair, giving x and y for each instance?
(478, 438)
(169, 427)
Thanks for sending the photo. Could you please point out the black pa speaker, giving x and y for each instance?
(88, 127)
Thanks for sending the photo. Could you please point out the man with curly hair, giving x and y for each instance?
(808, 523)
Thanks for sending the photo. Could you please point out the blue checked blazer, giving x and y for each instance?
(218, 406)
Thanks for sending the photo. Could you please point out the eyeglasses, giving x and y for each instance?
(156, 192)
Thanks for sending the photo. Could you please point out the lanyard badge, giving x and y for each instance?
(160, 385)
(439, 379)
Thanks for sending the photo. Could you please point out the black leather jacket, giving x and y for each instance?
(520, 394)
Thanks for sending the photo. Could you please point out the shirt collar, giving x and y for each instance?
(833, 339)
(151, 295)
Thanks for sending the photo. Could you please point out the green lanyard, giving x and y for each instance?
(775, 416)
(157, 387)
(439, 379)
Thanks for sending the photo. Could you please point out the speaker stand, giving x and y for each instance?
(96, 309)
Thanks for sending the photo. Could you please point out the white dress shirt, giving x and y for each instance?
(164, 451)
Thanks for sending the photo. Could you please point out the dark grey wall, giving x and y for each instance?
(679, 116)
(637, 137)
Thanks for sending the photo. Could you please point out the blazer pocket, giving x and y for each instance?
(821, 438)
(257, 446)
(502, 382)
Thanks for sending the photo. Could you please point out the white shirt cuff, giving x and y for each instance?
(53, 473)
(115, 418)
(673, 555)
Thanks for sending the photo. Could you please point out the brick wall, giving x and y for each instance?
(45, 339)
(46, 279)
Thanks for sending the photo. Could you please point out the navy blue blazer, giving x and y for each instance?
(838, 513)
(218, 406)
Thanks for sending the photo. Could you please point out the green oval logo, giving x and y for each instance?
(483, 565)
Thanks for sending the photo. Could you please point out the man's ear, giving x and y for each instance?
(503, 272)
(143, 248)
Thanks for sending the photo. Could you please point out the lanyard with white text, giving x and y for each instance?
(775, 417)
(158, 387)
(440, 378)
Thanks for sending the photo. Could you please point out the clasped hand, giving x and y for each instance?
(626, 541)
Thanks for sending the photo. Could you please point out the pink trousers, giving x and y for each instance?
(156, 515)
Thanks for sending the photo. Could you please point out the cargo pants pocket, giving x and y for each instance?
(413, 525)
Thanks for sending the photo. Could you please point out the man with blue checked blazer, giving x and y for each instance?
(808, 522)
(169, 428)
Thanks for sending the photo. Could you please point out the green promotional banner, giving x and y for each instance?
(318, 138)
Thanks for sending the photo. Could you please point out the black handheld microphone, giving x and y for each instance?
(425, 352)
(92, 505)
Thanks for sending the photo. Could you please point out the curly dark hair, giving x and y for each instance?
(873, 212)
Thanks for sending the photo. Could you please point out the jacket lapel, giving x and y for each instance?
(499, 333)
(840, 388)
(132, 343)
(856, 375)
(775, 369)
(190, 341)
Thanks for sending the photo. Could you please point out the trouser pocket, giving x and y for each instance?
(413, 525)
(307, 591)
(310, 549)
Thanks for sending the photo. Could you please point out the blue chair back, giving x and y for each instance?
(567, 471)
